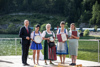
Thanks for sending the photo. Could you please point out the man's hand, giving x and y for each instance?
(27, 38)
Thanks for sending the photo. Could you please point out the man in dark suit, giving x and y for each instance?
(24, 33)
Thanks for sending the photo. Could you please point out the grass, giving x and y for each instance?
(9, 36)
(17, 36)
(9, 47)
(88, 50)
(91, 37)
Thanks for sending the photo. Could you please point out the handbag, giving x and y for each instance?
(51, 44)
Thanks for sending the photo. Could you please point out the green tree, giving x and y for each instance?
(11, 28)
(95, 14)
(66, 25)
(85, 17)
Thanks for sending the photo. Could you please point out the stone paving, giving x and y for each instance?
(15, 61)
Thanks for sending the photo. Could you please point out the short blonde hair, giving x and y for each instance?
(48, 25)
(25, 21)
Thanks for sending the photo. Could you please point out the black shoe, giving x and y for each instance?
(74, 63)
(25, 64)
(71, 64)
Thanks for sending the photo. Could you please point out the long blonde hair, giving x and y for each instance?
(74, 27)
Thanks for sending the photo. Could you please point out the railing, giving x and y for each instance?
(14, 42)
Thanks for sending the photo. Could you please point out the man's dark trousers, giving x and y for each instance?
(25, 43)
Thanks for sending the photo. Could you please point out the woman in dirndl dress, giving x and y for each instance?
(49, 53)
(62, 47)
(36, 46)
(73, 44)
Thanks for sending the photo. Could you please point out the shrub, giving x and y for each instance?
(80, 31)
(86, 32)
(95, 28)
(66, 25)
(43, 27)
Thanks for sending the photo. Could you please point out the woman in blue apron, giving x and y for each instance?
(62, 48)
(35, 46)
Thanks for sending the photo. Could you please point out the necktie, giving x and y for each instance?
(27, 30)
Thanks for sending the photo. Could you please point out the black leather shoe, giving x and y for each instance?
(71, 64)
(25, 64)
(74, 63)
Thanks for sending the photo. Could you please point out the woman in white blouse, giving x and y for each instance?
(62, 48)
(36, 46)
(49, 52)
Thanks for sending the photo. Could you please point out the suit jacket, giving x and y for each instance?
(23, 34)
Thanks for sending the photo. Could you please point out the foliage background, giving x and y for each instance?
(48, 11)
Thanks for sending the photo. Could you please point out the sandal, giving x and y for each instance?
(52, 63)
(46, 63)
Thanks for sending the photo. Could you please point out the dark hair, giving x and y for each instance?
(62, 22)
(37, 26)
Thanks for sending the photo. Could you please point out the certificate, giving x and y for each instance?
(51, 39)
(74, 33)
(64, 38)
(61, 37)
